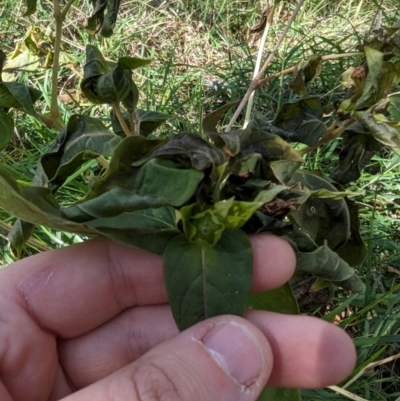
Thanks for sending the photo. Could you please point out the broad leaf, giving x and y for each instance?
(19, 96)
(6, 129)
(102, 21)
(354, 250)
(326, 264)
(279, 300)
(114, 86)
(147, 120)
(279, 394)
(131, 63)
(149, 229)
(30, 7)
(357, 151)
(189, 149)
(19, 234)
(206, 227)
(204, 281)
(35, 205)
(304, 118)
(271, 147)
(326, 220)
(210, 121)
(157, 183)
(322, 262)
(150, 120)
(82, 139)
(371, 87)
(381, 131)
(306, 72)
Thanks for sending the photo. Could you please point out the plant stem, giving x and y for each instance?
(255, 82)
(103, 162)
(59, 18)
(121, 120)
(66, 8)
(293, 68)
(259, 59)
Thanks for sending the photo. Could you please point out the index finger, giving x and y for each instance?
(73, 290)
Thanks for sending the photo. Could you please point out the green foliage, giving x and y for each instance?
(204, 281)
(196, 198)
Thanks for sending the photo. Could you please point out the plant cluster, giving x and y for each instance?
(197, 199)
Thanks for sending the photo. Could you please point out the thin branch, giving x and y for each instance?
(293, 68)
(54, 109)
(259, 60)
(103, 162)
(66, 8)
(254, 83)
(121, 120)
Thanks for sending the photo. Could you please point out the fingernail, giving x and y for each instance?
(236, 349)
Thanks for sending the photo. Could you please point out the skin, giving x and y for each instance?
(92, 322)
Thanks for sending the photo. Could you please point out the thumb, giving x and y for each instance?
(223, 359)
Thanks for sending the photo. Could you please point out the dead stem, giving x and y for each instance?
(255, 83)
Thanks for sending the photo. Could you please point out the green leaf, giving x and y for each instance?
(19, 234)
(149, 229)
(131, 63)
(204, 281)
(190, 150)
(381, 131)
(114, 86)
(371, 87)
(270, 146)
(269, 194)
(354, 250)
(326, 264)
(150, 121)
(159, 182)
(306, 72)
(30, 7)
(19, 96)
(326, 220)
(6, 129)
(35, 205)
(390, 78)
(102, 21)
(210, 121)
(131, 150)
(23, 60)
(94, 67)
(304, 118)
(206, 227)
(357, 151)
(281, 394)
(147, 120)
(394, 107)
(82, 139)
(279, 300)
(322, 262)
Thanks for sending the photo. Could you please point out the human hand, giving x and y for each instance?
(91, 322)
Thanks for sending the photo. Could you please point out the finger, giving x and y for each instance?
(307, 352)
(72, 290)
(221, 359)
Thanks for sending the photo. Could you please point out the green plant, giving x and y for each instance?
(200, 197)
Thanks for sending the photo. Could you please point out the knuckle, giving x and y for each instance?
(153, 383)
